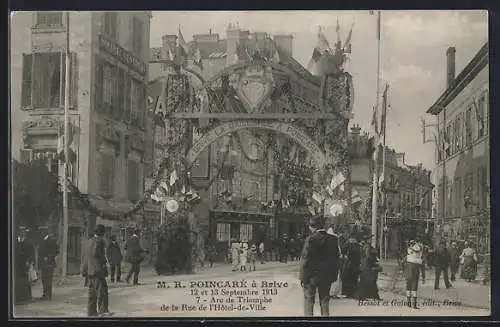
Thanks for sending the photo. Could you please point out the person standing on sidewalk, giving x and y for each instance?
(319, 264)
(115, 257)
(23, 259)
(454, 260)
(441, 262)
(95, 270)
(336, 291)
(47, 253)
(135, 255)
(351, 268)
(261, 252)
(413, 263)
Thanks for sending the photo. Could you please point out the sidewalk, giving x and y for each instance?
(473, 295)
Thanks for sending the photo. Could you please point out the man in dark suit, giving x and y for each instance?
(94, 269)
(135, 255)
(47, 254)
(114, 255)
(319, 264)
(442, 262)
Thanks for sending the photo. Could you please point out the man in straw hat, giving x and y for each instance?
(319, 265)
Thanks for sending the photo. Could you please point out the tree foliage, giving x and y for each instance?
(35, 193)
(174, 246)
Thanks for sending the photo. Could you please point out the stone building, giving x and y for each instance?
(109, 76)
(406, 192)
(463, 151)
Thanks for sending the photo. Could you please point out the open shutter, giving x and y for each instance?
(132, 180)
(27, 80)
(127, 102)
(119, 108)
(99, 82)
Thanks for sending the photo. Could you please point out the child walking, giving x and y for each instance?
(243, 256)
(252, 257)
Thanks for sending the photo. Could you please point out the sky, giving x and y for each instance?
(413, 60)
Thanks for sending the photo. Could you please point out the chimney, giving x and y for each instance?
(233, 35)
(285, 42)
(168, 42)
(450, 66)
(355, 130)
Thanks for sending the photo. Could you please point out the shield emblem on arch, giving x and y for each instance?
(254, 88)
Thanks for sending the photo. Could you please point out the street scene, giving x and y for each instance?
(250, 164)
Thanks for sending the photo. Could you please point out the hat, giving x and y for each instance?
(317, 221)
(100, 230)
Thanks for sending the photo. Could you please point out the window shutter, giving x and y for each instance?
(37, 80)
(121, 95)
(127, 96)
(133, 180)
(107, 174)
(27, 83)
(26, 155)
(99, 82)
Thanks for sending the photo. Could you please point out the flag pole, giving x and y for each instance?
(375, 165)
(66, 159)
(384, 197)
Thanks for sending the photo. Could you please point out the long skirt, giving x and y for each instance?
(469, 269)
(368, 288)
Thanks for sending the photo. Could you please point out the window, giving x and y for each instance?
(448, 141)
(468, 126)
(137, 98)
(133, 180)
(110, 24)
(246, 232)
(109, 89)
(480, 116)
(223, 232)
(137, 35)
(44, 78)
(458, 197)
(107, 178)
(49, 19)
(458, 133)
(483, 187)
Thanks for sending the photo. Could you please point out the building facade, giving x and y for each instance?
(405, 193)
(462, 152)
(109, 78)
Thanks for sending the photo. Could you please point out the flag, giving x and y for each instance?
(317, 197)
(182, 43)
(355, 197)
(337, 180)
(197, 58)
(164, 187)
(422, 198)
(381, 180)
(383, 119)
(276, 57)
(323, 45)
(479, 116)
(173, 177)
(347, 42)
(375, 121)
(314, 58)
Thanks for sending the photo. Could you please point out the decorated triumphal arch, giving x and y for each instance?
(296, 119)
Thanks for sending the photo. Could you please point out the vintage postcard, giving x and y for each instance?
(250, 164)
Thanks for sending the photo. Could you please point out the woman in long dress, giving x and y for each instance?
(468, 258)
(370, 269)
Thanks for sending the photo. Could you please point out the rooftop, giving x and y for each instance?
(470, 71)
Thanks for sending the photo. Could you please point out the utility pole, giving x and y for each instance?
(375, 166)
(66, 159)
